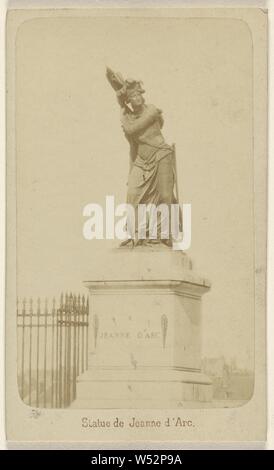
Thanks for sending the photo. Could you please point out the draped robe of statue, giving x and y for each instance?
(152, 175)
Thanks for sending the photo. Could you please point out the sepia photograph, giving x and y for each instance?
(136, 223)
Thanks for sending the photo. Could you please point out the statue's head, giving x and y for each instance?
(134, 93)
(131, 93)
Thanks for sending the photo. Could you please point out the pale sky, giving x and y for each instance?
(71, 151)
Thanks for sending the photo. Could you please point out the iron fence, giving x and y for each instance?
(52, 349)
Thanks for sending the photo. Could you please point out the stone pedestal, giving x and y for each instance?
(144, 332)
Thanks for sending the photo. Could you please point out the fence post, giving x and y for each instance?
(45, 351)
(83, 331)
(87, 322)
(70, 310)
(30, 349)
(38, 351)
(57, 359)
(78, 334)
(74, 344)
(52, 351)
(60, 351)
(23, 349)
(65, 347)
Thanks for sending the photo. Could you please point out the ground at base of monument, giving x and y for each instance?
(150, 404)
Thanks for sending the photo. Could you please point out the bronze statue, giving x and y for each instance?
(152, 170)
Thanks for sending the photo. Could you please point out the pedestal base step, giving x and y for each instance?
(141, 389)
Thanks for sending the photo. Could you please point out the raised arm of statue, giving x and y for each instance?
(131, 126)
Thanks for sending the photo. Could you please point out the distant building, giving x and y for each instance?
(229, 382)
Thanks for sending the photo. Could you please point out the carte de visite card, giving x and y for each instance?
(136, 225)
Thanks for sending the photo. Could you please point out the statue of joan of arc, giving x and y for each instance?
(152, 170)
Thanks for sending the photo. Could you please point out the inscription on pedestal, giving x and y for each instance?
(128, 335)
